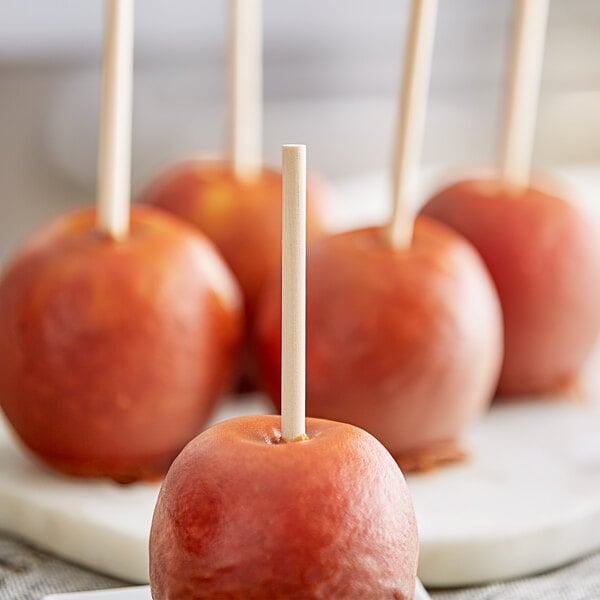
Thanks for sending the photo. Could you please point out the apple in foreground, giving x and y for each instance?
(406, 344)
(114, 352)
(544, 257)
(243, 514)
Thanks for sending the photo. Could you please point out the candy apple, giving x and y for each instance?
(242, 216)
(243, 514)
(544, 257)
(405, 343)
(114, 352)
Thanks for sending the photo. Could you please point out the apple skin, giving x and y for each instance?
(406, 344)
(243, 219)
(114, 353)
(544, 257)
(242, 514)
(241, 216)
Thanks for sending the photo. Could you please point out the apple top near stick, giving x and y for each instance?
(293, 297)
(114, 152)
(411, 122)
(524, 76)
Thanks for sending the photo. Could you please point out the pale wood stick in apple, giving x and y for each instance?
(529, 35)
(411, 121)
(293, 298)
(245, 87)
(114, 153)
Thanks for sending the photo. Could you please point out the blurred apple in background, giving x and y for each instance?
(114, 353)
(406, 344)
(242, 216)
(544, 257)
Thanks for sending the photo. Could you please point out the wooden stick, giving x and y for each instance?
(529, 35)
(293, 296)
(411, 121)
(114, 154)
(245, 87)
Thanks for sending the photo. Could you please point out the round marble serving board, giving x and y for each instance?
(143, 593)
(527, 499)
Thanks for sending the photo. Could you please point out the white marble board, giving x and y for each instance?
(143, 593)
(527, 500)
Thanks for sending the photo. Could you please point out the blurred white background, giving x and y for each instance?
(332, 70)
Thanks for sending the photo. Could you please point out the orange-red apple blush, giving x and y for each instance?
(270, 507)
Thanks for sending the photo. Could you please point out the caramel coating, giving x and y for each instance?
(241, 216)
(114, 353)
(406, 344)
(243, 515)
(544, 257)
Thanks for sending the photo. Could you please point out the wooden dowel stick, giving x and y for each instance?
(245, 87)
(293, 296)
(114, 153)
(529, 35)
(411, 121)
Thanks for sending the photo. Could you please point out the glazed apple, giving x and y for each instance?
(406, 344)
(114, 353)
(241, 216)
(544, 257)
(243, 514)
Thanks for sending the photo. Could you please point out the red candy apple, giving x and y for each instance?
(113, 353)
(284, 507)
(242, 216)
(405, 343)
(243, 514)
(544, 257)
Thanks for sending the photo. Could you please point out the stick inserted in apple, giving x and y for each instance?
(542, 252)
(119, 327)
(404, 331)
(285, 507)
